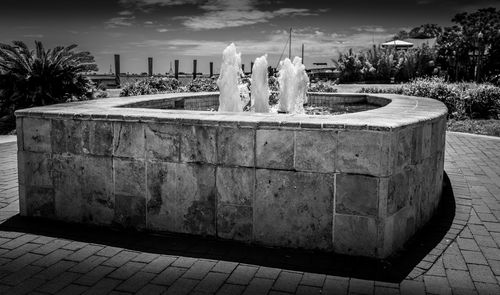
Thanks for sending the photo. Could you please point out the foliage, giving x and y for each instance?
(401, 35)
(470, 49)
(150, 85)
(485, 127)
(40, 77)
(463, 100)
(381, 65)
(322, 87)
(202, 85)
(426, 31)
(376, 90)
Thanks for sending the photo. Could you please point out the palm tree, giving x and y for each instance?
(41, 77)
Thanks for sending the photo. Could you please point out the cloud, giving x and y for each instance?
(293, 12)
(120, 21)
(221, 14)
(125, 12)
(33, 36)
(162, 30)
(226, 19)
(318, 44)
(371, 29)
(140, 3)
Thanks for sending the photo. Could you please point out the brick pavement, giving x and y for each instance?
(459, 253)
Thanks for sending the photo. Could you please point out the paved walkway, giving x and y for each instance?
(458, 254)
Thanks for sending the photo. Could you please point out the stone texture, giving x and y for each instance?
(67, 172)
(235, 186)
(293, 209)
(275, 149)
(98, 197)
(357, 195)
(36, 169)
(198, 144)
(39, 202)
(398, 229)
(402, 149)
(355, 235)
(128, 140)
(129, 177)
(234, 222)
(181, 198)
(97, 138)
(36, 135)
(235, 146)
(363, 152)
(294, 198)
(66, 136)
(426, 140)
(398, 196)
(162, 142)
(315, 150)
(19, 133)
(130, 193)
(417, 145)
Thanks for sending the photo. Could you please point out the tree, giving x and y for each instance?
(426, 31)
(401, 35)
(473, 44)
(40, 77)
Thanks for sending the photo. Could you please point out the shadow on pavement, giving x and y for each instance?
(393, 269)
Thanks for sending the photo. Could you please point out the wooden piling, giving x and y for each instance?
(194, 69)
(117, 69)
(150, 66)
(176, 69)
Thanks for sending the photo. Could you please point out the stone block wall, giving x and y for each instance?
(352, 191)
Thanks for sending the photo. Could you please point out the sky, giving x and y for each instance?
(200, 29)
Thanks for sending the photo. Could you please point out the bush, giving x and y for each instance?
(483, 101)
(201, 85)
(382, 65)
(322, 87)
(485, 127)
(151, 85)
(398, 90)
(40, 77)
(273, 84)
(463, 100)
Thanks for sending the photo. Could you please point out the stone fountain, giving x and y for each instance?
(358, 184)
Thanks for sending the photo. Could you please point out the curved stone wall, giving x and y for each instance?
(357, 184)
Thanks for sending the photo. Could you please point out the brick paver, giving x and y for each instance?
(465, 261)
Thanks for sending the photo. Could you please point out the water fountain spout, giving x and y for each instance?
(293, 81)
(260, 85)
(230, 72)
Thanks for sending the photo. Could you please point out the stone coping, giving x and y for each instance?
(402, 111)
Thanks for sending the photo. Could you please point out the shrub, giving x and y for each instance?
(151, 85)
(322, 87)
(483, 101)
(39, 77)
(463, 100)
(273, 84)
(202, 85)
(398, 90)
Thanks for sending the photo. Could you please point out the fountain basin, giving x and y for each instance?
(357, 184)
